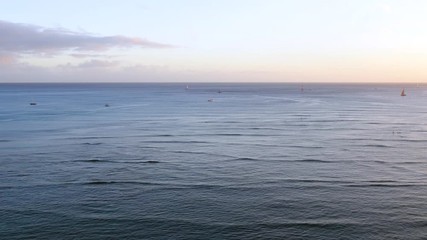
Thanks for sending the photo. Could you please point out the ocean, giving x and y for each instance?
(214, 161)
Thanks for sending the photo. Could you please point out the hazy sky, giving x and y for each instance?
(217, 40)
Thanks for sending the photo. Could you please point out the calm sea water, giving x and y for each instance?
(260, 161)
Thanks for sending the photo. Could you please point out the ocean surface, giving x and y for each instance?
(258, 161)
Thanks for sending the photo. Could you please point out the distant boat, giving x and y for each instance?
(187, 87)
(403, 93)
(219, 91)
(107, 105)
(210, 100)
(33, 103)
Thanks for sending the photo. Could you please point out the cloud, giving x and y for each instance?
(98, 64)
(19, 38)
(7, 59)
(86, 55)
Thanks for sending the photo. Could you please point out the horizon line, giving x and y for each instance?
(249, 82)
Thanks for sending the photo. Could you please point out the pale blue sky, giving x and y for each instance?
(240, 40)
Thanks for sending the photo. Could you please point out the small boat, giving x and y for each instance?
(403, 93)
(219, 91)
(210, 100)
(33, 103)
(107, 105)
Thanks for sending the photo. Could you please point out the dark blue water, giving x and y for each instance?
(260, 161)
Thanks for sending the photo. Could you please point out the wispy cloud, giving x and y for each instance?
(6, 59)
(88, 55)
(20, 38)
(98, 64)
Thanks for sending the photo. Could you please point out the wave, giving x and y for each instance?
(382, 181)
(159, 135)
(176, 141)
(93, 160)
(136, 161)
(201, 153)
(214, 134)
(282, 160)
(153, 135)
(307, 147)
(228, 134)
(412, 140)
(102, 182)
(313, 160)
(386, 185)
(364, 139)
(330, 121)
(317, 181)
(311, 224)
(397, 162)
(97, 143)
(239, 134)
(151, 161)
(376, 146)
(89, 182)
(221, 122)
(264, 128)
(374, 123)
(413, 162)
(349, 183)
(246, 159)
(89, 138)
(379, 161)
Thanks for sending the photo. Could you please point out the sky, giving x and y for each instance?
(213, 41)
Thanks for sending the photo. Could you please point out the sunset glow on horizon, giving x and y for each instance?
(213, 41)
